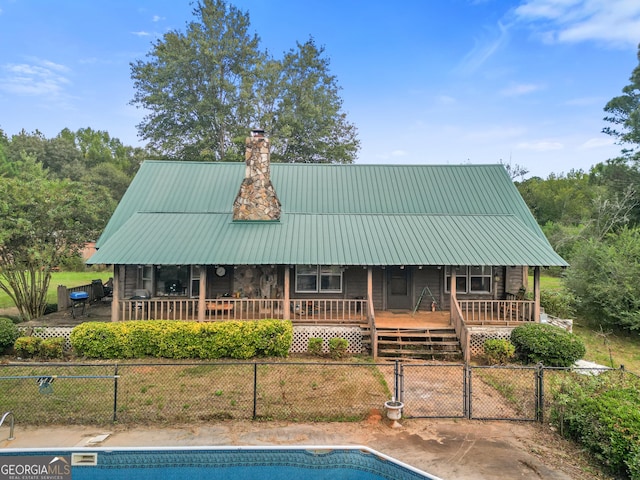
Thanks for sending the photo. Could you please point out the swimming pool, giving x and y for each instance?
(228, 463)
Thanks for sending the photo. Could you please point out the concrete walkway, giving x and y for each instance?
(459, 450)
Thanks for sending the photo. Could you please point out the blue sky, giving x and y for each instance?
(424, 81)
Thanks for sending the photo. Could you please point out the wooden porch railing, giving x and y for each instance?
(328, 311)
(496, 312)
(462, 332)
(301, 311)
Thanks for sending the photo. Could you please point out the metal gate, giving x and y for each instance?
(433, 390)
(472, 392)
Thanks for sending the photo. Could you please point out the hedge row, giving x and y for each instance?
(174, 339)
(603, 414)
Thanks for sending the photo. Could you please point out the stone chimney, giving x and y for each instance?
(257, 199)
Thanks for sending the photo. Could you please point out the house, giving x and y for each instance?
(324, 244)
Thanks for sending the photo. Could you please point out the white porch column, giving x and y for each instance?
(202, 294)
(287, 283)
(536, 294)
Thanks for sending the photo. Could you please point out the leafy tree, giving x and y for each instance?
(62, 158)
(604, 278)
(197, 86)
(624, 113)
(565, 199)
(618, 176)
(32, 144)
(206, 87)
(40, 221)
(309, 125)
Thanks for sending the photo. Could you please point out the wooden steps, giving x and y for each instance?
(416, 343)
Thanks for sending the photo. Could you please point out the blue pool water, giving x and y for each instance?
(228, 463)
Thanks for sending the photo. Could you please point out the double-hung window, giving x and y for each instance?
(318, 279)
(475, 279)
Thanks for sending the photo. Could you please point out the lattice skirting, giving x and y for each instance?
(481, 334)
(49, 332)
(301, 336)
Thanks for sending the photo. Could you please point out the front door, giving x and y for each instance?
(398, 288)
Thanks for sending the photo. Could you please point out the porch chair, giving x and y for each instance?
(508, 310)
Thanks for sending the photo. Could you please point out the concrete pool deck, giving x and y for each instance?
(460, 450)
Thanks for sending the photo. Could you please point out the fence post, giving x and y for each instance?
(255, 389)
(63, 298)
(540, 392)
(115, 395)
(466, 391)
(396, 378)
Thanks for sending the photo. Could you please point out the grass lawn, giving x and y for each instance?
(547, 283)
(603, 347)
(69, 279)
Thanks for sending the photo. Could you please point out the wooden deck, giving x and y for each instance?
(405, 319)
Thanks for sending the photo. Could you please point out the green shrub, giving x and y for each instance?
(315, 346)
(52, 347)
(50, 308)
(551, 345)
(27, 347)
(603, 414)
(175, 339)
(338, 347)
(498, 351)
(561, 304)
(8, 333)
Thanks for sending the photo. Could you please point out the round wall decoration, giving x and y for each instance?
(220, 271)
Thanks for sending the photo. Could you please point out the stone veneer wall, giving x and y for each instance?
(257, 199)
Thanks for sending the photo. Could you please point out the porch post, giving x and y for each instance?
(202, 294)
(115, 294)
(536, 294)
(286, 314)
(452, 288)
(370, 313)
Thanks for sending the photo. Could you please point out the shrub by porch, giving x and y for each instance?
(174, 339)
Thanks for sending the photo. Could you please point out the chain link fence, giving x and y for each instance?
(169, 393)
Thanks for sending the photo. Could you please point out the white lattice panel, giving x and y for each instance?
(480, 335)
(301, 336)
(49, 332)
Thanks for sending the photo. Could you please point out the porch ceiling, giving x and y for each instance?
(327, 239)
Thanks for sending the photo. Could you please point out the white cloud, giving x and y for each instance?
(157, 18)
(598, 143)
(520, 89)
(141, 33)
(540, 146)
(494, 134)
(585, 102)
(42, 77)
(484, 49)
(614, 22)
(399, 153)
(445, 100)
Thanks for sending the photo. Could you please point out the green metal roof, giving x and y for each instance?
(180, 213)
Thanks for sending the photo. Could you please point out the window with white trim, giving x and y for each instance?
(475, 279)
(318, 279)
